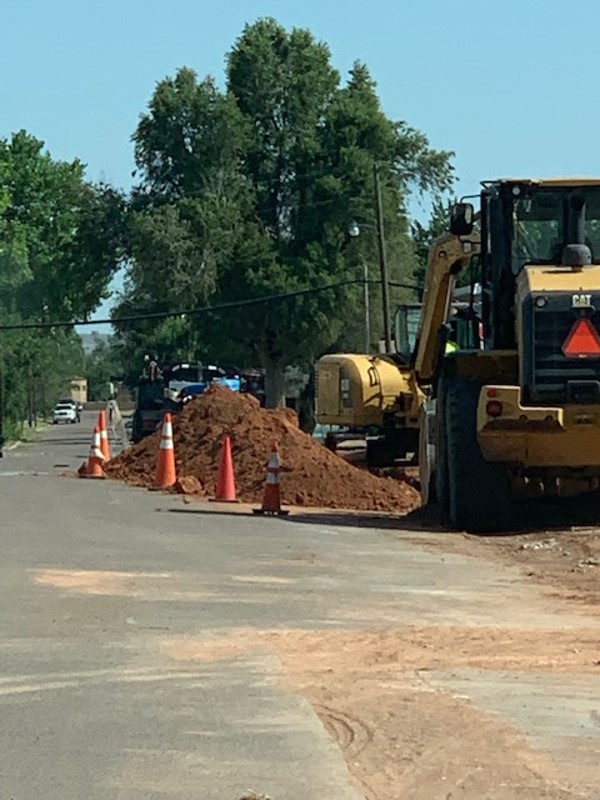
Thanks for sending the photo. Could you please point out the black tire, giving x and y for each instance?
(442, 485)
(379, 453)
(479, 490)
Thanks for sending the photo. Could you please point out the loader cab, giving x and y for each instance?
(554, 223)
(539, 268)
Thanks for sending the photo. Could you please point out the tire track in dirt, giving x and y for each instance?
(400, 735)
(352, 736)
(351, 733)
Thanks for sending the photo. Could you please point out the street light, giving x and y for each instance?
(354, 233)
(354, 229)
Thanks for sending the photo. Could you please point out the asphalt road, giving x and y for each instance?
(101, 586)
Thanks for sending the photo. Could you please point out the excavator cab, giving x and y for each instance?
(406, 323)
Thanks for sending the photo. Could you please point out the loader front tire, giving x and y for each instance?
(479, 490)
(442, 482)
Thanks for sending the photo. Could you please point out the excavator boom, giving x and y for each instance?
(448, 255)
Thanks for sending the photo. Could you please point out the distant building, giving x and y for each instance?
(79, 390)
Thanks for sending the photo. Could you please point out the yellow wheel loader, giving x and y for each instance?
(518, 413)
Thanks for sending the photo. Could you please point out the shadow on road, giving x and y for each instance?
(348, 519)
(62, 442)
(416, 521)
(531, 517)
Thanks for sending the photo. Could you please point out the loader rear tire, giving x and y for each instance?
(479, 490)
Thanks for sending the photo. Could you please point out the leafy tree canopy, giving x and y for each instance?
(249, 192)
(61, 241)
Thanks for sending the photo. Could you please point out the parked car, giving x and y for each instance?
(65, 412)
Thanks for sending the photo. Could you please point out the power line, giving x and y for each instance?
(195, 311)
(338, 171)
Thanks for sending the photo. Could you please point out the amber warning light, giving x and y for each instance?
(583, 340)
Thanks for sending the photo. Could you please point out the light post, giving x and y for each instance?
(2, 394)
(385, 286)
(354, 232)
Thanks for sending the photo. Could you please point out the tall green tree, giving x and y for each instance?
(64, 235)
(185, 210)
(310, 161)
(258, 186)
(424, 235)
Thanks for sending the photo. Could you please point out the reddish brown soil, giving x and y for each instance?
(311, 475)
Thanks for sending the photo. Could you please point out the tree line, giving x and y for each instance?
(61, 240)
(241, 191)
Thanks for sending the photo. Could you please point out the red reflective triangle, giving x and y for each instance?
(582, 341)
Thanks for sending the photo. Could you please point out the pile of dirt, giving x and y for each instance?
(311, 474)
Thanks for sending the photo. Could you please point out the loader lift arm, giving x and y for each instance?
(448, 256)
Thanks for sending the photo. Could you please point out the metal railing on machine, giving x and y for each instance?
(116, 423)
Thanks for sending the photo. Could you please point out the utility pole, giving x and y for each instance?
(2, 393)
(385, 287)
(367, 309)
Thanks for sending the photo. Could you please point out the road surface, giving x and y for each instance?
(152, 648)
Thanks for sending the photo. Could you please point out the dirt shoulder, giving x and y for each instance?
(566, 560)
(401, 735)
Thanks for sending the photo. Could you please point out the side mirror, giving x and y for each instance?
(462, 219)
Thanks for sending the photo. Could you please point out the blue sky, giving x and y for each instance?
(509, 86)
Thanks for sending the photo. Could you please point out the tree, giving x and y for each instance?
(102, 366)
(63, 234)
(258, 185)
(185, 210)
(311, 164)
(423, 236)
(61, 240)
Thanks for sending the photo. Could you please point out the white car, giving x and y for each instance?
(64, 412)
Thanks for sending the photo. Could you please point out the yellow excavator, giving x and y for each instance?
(517, 410)
(374, 397)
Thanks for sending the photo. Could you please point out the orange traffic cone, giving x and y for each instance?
(95, 459)
(272, 496)
(165, 473)
(104, 445)
(226, 479)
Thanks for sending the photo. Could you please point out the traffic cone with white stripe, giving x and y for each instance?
(104, 444)
(95, 459)
(166, 475)
(272, 497)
